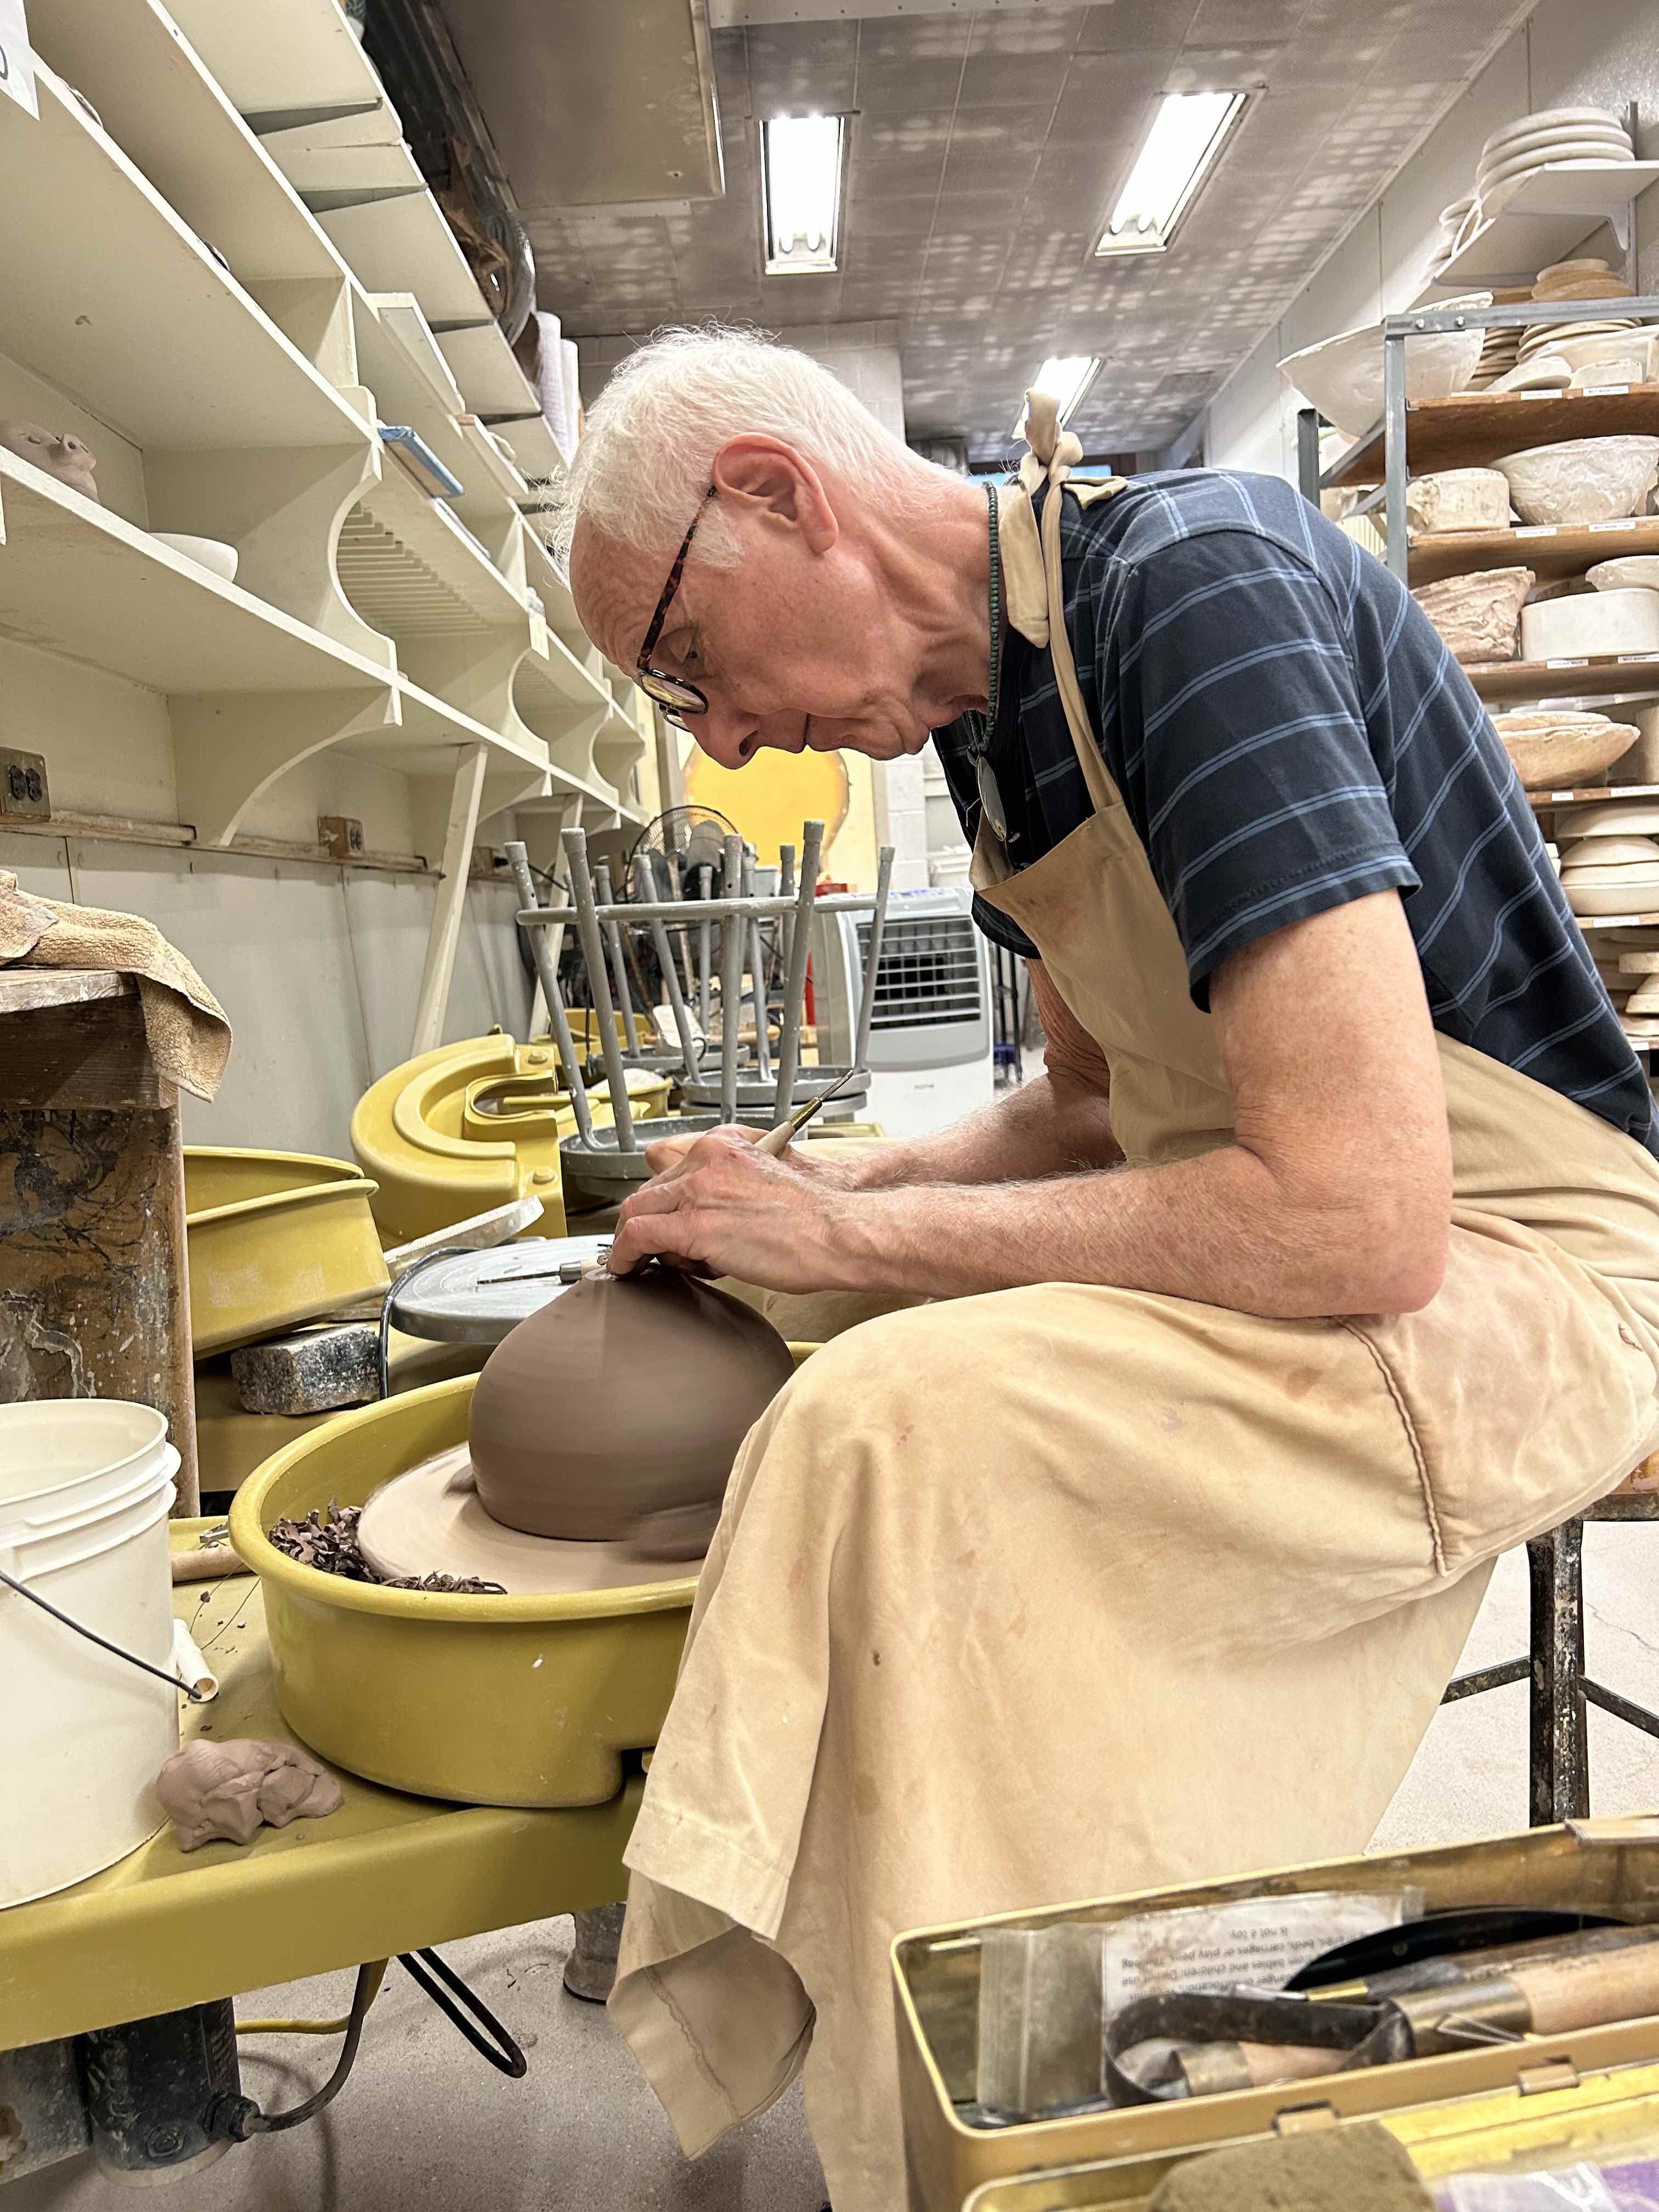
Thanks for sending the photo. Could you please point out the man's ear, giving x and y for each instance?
(779, 487)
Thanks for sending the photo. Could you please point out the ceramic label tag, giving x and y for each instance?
(16, 60)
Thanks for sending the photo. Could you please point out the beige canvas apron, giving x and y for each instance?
(1066, 1590)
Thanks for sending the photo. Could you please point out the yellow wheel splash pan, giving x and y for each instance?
(473, 1126)
(489, 1700)
(274, 1239)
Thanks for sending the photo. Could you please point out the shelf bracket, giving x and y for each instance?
(230, 747)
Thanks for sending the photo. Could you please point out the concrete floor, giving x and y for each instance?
(425, 2126)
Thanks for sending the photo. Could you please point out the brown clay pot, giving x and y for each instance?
(622, 1400)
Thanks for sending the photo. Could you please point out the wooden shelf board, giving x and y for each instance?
(1617, 920)
(397, 358)
(487, 461)
(283, 61)
(427, 739)
(561, 684)
(128, 311)
(535, 449)
(1548, 549)
(77, 580)
(548, 579)
(1597, 790)
(404, 244)
(1475, 428)
(164, 110)
(24, 991)
(483, 365)
(429, 531)
(1567, 679)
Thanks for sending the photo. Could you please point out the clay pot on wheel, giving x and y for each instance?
(617, 1410)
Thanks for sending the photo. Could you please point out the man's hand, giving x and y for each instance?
(715, 1201)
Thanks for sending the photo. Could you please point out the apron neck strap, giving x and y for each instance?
(1053, 454)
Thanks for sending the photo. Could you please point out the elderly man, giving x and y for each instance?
(1136, 1538)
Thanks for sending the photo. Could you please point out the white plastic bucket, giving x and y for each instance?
(86, 1487)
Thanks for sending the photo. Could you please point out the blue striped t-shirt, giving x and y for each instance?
(1289, 731)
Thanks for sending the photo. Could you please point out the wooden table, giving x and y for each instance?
(93, 1294)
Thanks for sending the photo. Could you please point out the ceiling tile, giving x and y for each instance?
(798, 67)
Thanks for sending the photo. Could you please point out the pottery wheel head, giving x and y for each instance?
(618, 1409)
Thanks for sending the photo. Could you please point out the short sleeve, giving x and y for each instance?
(1246, 764)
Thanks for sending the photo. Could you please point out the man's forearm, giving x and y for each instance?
(1049, 1127)
(1220, 1229)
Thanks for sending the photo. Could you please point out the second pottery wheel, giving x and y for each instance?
(430, 1520)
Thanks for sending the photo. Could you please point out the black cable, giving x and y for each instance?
(238, 2117)
(506, 2058)
(394, 1291)
(103, 1643)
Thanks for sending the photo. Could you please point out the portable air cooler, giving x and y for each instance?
(930, 1034)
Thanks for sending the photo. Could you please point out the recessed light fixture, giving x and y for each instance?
(1065, 378)
(801, 173)
(1187, 133)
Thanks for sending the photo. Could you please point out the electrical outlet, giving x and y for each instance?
(24, 791)
(342, 833)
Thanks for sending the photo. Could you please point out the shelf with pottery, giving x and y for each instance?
(1473, 428)
(161, 104)
(1634, 675)
(1551, 212)
(1547, 799)
(112, 298)
(1551, 550)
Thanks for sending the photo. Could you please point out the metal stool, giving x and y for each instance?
(1559, 1744)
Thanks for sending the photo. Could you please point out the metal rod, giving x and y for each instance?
(670, 976)
(794, 984)
(786, 890)
(757, 978)
(618, 964)
(705, 948)
(587, 926)
(665, 870)
(872, 958)
(714, 910)
(730, 980)
(547, 974)
(1394, 451)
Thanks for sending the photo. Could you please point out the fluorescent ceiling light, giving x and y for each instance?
(800, 167)
(1188, 131)
(1066, 377)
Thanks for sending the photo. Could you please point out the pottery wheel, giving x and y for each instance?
(477, 1297)
(430, 1520)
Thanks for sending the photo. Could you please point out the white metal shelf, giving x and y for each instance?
(78, 579)
(105, 292)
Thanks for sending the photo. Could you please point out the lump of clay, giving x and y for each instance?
(622, 1403)
(229, 1791)
(60, 453)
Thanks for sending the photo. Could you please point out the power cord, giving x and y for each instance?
(234, 2119)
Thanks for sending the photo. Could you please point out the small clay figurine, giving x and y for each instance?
(59, 453)
(211, 1792)
(614, 1412)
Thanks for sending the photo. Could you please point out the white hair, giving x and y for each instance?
(652, 436)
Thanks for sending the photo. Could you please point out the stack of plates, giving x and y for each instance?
(1451, 225)
(1612, 875)
(1552, 137)
(1502, 350)
(1585, 279)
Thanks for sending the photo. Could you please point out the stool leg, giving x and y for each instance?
(1559, 1745)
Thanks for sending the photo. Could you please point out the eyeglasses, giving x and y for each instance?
(673, 692)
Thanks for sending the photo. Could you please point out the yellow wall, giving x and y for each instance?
(769, 799)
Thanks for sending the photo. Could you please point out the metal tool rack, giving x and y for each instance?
(609, 1160)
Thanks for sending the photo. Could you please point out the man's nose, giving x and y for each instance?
(726, 734)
